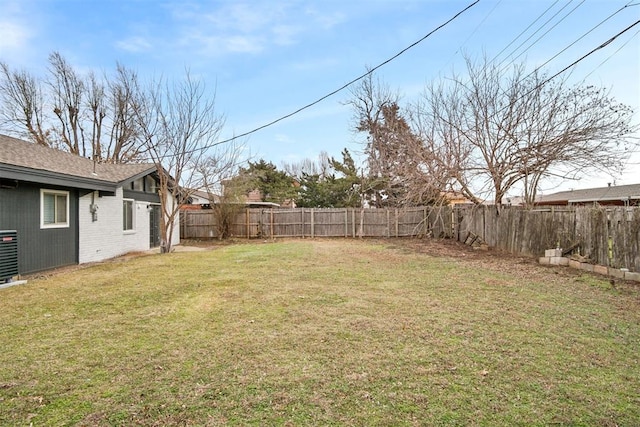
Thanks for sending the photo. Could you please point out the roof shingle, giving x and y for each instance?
(24, 154)
(615, 192)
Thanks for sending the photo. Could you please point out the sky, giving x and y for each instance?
(266, 59)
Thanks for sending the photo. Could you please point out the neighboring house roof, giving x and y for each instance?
(204, 197)
(23, 160)
(455, 198)
(614, 193)
(513, 201)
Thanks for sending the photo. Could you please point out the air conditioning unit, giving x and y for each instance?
(8, 255)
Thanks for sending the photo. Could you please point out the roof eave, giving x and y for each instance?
(151, 169)
(53, 178)
(603, 199)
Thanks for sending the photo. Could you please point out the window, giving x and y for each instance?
(54, 209)
(138, 184)
(127, 215)
(151, 186)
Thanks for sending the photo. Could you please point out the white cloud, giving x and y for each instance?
(316, 64)
(244, 18)
(218, 45)
(326, 20)
(245, 27)
(285, 34)
(283, 138)
(241, 44)
(135, 44)
(13, 36)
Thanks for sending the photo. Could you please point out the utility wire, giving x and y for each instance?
(545, 33)
(279, 119)
(574, 63)
(524, 31)
(544, 24)
(584, 35)
(614, 53)
(602, 46)
(475, 30)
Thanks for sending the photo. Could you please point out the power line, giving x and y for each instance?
(614, 53)
(341, 88)
(544, 34)
(584, 35)
(475, 30)
(574, 63)
(602, 46)
(524, 31)
(629, 4)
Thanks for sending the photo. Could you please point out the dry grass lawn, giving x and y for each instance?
(320, 332)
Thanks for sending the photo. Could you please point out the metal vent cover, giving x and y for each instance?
(8, 254)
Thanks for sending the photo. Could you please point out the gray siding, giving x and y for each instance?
(141, 196)
(38, 249)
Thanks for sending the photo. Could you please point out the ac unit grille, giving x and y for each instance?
(8, 254)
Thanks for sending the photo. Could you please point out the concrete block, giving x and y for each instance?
(617, 273)
(12, 283)
(629, 275)
(558, 260)
(545, 260)
(601, 269)
(553, 252)
(586, 266)
(574, 264)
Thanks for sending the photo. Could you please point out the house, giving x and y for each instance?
(68, 210)
(455, 198)
(615, 195)
(197, 200)
(253, 199)
(200, 200)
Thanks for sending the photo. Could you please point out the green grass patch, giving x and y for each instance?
(333, 332)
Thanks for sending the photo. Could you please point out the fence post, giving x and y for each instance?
(388, 225)
(312, 224)
(346, 222)
(246, 212)
(397, 223)
(425, 226)
(353, 222)
(271, 231)
(302, 213)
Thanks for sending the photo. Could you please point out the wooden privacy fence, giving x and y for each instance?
(604, 235)
(299, 222)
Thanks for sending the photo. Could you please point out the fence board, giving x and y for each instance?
(607, 235)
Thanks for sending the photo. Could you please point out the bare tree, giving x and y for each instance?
(96, 102)
(577, 130)
(499, 131)
(404, 165)
(308, 166)
(22, 106)
(88, 115)
(125, 144)
(216, 169)
(373, 102)
(68, 89)
(178, 122)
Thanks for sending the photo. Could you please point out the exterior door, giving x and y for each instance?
(154, 226)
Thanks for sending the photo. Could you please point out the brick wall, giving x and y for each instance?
(105, 238)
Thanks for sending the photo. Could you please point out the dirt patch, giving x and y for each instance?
(495, 260)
